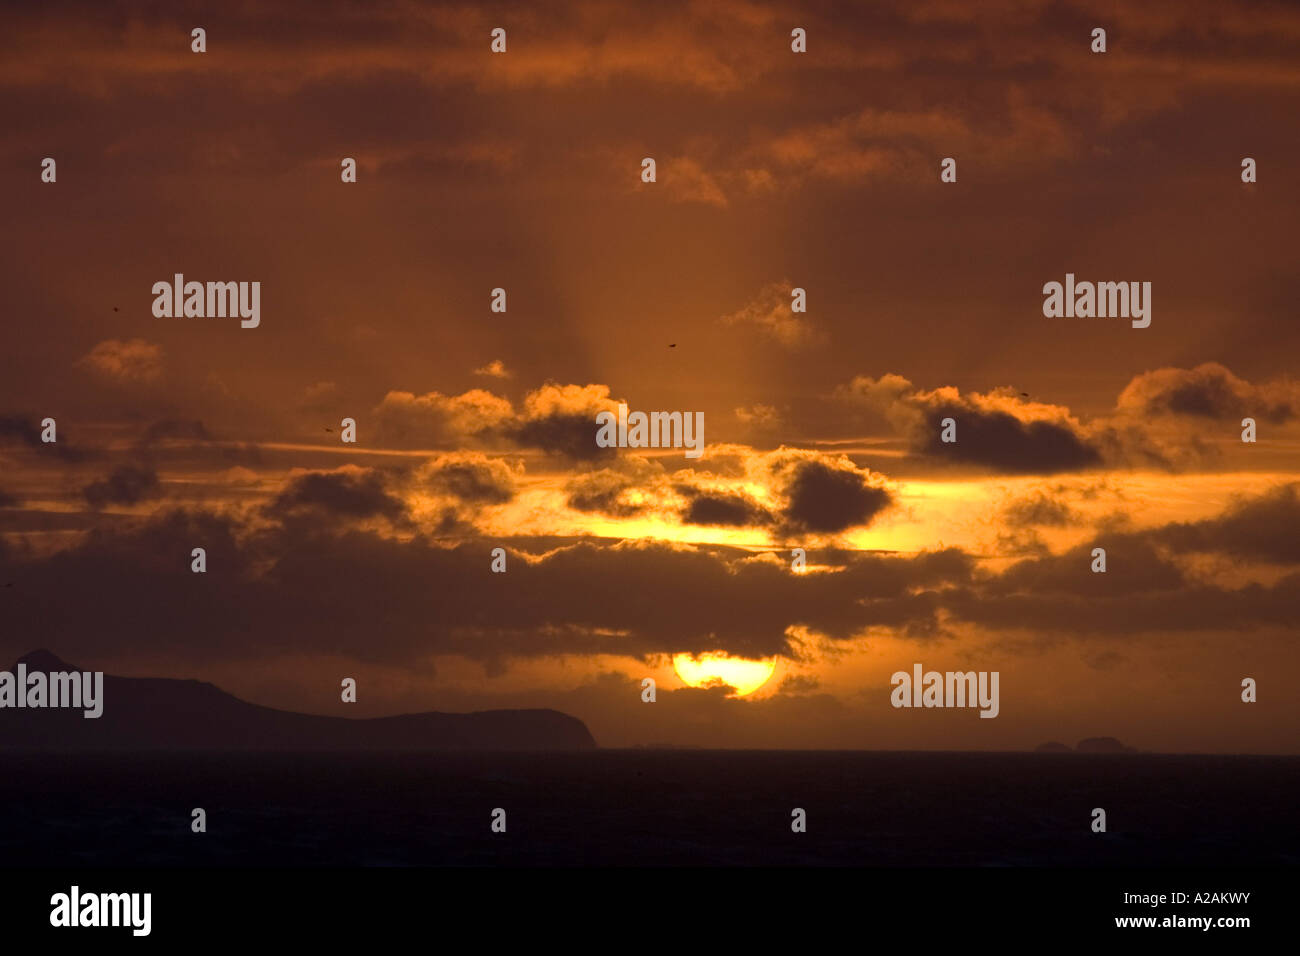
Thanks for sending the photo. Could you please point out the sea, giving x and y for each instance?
(647, 808)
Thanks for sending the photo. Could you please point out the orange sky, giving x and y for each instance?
(476, 428)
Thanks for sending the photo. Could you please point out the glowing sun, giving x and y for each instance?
(708, 670)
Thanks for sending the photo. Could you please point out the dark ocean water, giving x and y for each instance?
(645, 807)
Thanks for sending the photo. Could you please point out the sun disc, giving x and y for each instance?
(741, 674)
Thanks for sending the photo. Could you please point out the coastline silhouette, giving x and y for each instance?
(145, 713)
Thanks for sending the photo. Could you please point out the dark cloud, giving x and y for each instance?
(824, 498)
(556, 419)
(799, 684)
(305, 586)
(294, 586)
(1209, 391)
(603, 492)
(349, 492)
(25, 430)
(561, 420)
(569, 435)
(476, 479)
(125, 485)
(996, 430)
(997, 439)
(722, 508)
(1262, 528)
(1192, 608)
(1149, 585)
(1152, 426)
(188, 443)
(1038, 510)
(1133, 564)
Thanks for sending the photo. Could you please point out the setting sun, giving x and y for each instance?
(707, 670)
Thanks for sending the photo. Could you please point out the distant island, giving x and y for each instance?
(1089, 745)
(164, 714)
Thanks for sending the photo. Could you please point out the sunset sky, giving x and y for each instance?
(476, 429)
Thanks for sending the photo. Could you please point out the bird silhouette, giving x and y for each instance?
(672, 345)
(114, 308)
